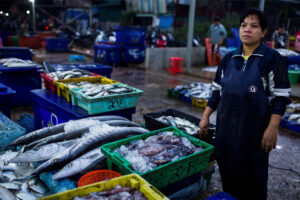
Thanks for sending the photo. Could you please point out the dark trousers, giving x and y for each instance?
(250, 186)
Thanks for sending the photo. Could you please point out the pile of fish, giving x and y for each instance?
(82, 84)
(117, 193)
(182, 124)
(16, 62)
(74, 73)
(292, 113)
(287, 52)
(156, 150)
(196, 90)
(71, 148)
(105, 90)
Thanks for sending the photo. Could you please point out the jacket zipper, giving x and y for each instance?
(245, 64)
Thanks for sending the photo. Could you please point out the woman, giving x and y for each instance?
(251, 91)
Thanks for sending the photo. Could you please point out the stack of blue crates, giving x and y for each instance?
(6, 95)
(235, 40)
(133, 39)
(56, 44)
(16, 52)
(128, 48)
(21, 80)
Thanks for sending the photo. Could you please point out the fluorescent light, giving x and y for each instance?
(7, 14)
(27, 12)
(31, 1)
(1, 12)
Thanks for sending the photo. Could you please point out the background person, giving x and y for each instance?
(251, 91)
(217, 33)
(280, 38)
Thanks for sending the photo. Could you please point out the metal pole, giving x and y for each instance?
(190, 35)
(91, 18)
(261, 5)
(33, 16)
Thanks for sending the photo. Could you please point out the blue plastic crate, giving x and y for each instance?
(16, 52)
(6, 95)
(9, 132)
(290, 125)
(108, 54)
(134, 54)
(21, 80)
(293, 60)
(222, 196)
(128, 35)
(56, 44)
(52, 109)
(96, 68)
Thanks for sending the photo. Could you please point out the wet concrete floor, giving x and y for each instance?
(284, 170)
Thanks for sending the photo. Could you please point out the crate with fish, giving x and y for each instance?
(64, 86)
(97, 68)
(131, 186)
(50, 109)
(291, 118)
(16, 52)
(21, 76)
(185, 122)
(49, 78)
(105, 98)
(167, 153)
(185, 97)
(6, 96)
(9, 132)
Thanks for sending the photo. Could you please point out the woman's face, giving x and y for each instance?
(250, 31)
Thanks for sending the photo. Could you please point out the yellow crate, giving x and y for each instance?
(132, 180)
(63, 89)
(201, 103)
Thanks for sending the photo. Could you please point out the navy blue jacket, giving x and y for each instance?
(274, 75)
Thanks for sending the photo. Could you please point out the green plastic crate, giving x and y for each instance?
(165, 174)
(293, 76)
(107, 103)
(173, 94)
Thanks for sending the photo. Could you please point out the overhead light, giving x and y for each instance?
(31, 1)
(7, 14)
(1, 12)
(27, 12)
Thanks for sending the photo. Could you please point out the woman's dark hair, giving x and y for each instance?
(263, 22)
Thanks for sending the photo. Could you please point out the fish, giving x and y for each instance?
(6, 194)
(38, 134)
(74, 73)
(25, 195)
(68, 135)
(47, 131)
(122, 123)
(10, 186)
(156, 150)
(43, 153)
(117, 192)
(105, 90)
(181, 124)
(87, 143)
(78, 133)
(84, 162)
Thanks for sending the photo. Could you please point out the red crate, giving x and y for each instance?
(49, 82)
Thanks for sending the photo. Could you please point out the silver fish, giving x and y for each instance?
(10, 186)
(87, 143)
(6, 195)
(44, 152)
(26, 195)
(47, 131)
(84, 162)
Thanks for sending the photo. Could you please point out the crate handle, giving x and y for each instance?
(156, 191)
(121, 161)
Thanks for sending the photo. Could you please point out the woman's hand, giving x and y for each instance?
(204, 123)
(269, 140)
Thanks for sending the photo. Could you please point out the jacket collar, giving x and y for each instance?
(259, 51)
